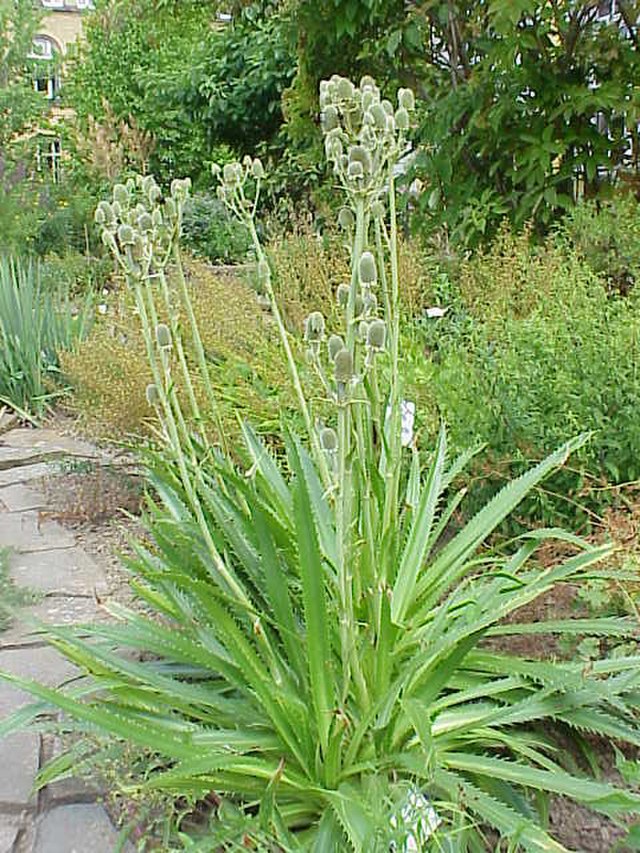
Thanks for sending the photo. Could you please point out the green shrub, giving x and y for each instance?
(211, 233)
(532, 351)
(35, 326)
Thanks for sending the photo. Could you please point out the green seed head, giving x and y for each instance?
(155, 194)
(367, 82)
(329, 439)
(121, 195)
(152, 395)
(402, 119)
(314, 327)
(345, 89)
(355, 171)
(334, 345)
(230, 174)
(343, 366)
(406, 99)
(145, 222)
(363, 329)
(346, 219)
(342, 294)
(359, 154)
(126, 235)
(170, 208)
(367, 269)
(99, 217)
(330, 119)
(387, 106)
(358, 306)
(216, 170)
(377, 334)
(257, 169)
(163, 335)
(156, 218)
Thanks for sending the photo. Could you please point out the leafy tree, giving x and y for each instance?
(131, 63)
(524, 96)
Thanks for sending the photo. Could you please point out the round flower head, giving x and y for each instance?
(358, 308)
(155, 194)
(402, 119)
(379, 116)
(367, 269)
(145, 222)
(330, 118)
(345, 89)
(363, 330)
(387, 106)
(99, 216)
(359, 154)
(329, 439)
(163, 335)
(346, 218)
(230, 174)
(216, 170)
(152, 395)
(406, 99)
(247, 162)
(377, 334)
(334, 345)
(170, 208)
(367, 81)
(121, 195)
(343, 366)
(156, 218)
(314, 327)
(257, 169)
(342, 294)
(126, 235)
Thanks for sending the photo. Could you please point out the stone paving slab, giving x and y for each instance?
(25, 531)
(19, 498)
(10, 826)
(76, 829)
(21, 753)
(26, 473)
(45, 440)
(66, 570)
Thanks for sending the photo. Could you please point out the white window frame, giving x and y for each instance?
(53, 4)
(50, 158)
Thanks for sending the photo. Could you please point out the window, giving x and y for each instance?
(85, 4)
(49, 157)
(45, 76)
(53, 4)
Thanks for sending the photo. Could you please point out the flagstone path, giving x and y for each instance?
(65, 817)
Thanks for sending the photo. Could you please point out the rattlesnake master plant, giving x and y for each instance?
(319, 656)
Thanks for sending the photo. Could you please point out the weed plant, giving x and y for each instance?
(320, 675)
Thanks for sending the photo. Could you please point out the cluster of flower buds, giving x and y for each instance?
(372, 331)
(140, 224)
(362, 131)
(235, 179)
